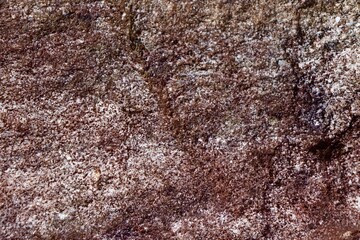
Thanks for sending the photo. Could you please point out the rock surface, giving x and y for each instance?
(164, 119)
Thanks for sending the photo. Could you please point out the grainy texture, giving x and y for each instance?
(164, 119)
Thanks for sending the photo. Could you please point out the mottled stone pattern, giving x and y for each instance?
(165, 119)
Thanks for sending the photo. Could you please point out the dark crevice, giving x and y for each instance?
(327, 149)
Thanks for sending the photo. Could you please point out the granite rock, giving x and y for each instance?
(164, 119)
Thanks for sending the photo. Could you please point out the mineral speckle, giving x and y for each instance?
(179, 119)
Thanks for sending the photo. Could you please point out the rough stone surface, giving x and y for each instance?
(164, 119)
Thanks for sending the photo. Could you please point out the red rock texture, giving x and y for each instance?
(163, 119)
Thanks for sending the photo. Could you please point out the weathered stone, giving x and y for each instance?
(179, 119)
